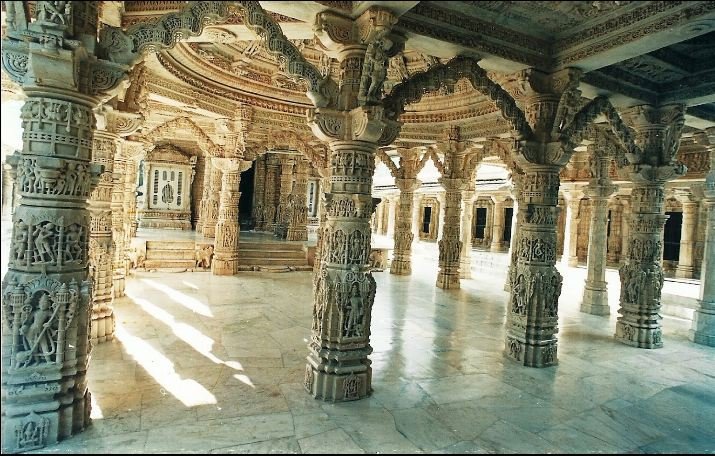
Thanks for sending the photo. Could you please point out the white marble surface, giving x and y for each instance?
(203, 363)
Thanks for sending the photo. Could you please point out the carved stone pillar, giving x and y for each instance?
(535, 283)
(401, 256)
(46, 293)
(119, 236)
(269, 201)
(498, 225)
(225, 261)
(572, 220)
(338, 367)
(286, 189)
(465, 256)
(133, 151)
(297, 230)
(514, 241)
(658, 135)
(212, 203)
(703, 329)
(599, 190)
(687, 237)
(625, 228)
(101, 251)
(205, 196)
(450, 245)
(259, 182)
(614, 238)
(8, 191)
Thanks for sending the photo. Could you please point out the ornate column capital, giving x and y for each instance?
(407, 185)
(364, 123)
(657, 134)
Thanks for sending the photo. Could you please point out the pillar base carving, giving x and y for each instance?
(644, 335)
(703, 329)
(337, 387)
(448, 280)
(684, 272)
(531, 354)
(224, 266)
(595, 299)
(297, 234)
(401, 267)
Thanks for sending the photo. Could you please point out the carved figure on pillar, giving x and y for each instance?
(212, 203)
(286, 188)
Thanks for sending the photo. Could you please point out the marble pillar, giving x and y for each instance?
(212, 203)
(687, 238)
(225, 261)
(269, 200)
(702, 330)
(599, 190)
(498, 225)
(205, 195)
(338, 367)
(259, 185)
(286, 189)
(8, 191)
(297, 226)
(465, 256)
(404, 232)
(614, 238)
(450, 244)
(657, 133)
(101, 245)
(47, 292)
(573, 204)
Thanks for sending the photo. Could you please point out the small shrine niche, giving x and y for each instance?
(168, 175)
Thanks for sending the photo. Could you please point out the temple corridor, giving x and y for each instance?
(203, 362)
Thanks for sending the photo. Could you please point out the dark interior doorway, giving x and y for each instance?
(245, 203)
(480, 224)
(508, 214)
(426, 219)
(671, 244)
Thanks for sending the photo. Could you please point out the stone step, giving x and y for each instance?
(169, 263)
(265, 253)
(272, 261)
(155, 254)
(274, 246)
(170, 245)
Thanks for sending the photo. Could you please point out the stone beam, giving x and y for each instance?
(652, 26)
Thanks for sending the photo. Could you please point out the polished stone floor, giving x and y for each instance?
(203, 363)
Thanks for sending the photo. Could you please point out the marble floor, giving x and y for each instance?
(204, 364)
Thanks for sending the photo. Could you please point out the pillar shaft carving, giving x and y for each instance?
(703, 328)
(297, 228)
(338, 368)
(102, 246)
(687, 239)
(614, 238)
(259, 193)
(283, 215)
(535, 283)
(498, 226)
(657, 133)
(269, 200)
(225, 261)
(599, 190)
(205, 196)
(46, 292)
(450, 245)
(573, 207)
(465, 256)
(212, 203)
(401, 256)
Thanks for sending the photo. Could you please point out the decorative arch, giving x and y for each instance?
(317, 154)
(127, 47)
(167, 131)
(412, 90)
